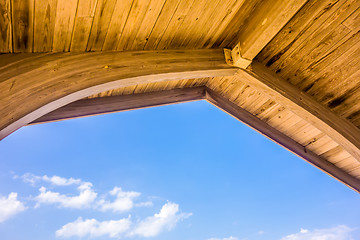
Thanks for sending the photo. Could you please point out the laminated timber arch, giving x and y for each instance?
(36, 85)
(292, 69)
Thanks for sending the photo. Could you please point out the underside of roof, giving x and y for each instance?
(288, 69)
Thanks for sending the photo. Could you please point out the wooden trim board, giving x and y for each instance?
(101, 105)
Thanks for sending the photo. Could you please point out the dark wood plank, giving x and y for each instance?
(282, 139)
(5, 27)
(102, 105)
(266, 19)
(23, 25)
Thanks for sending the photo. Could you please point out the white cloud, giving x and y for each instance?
(123, 202)
(166, 219)
(93, 228)
(84, 200)
(341, 232)
(10, 206)
(227, 238)
(54, 180)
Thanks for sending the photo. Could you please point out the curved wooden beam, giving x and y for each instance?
(33, 85)
(339, 129)
(283, 140)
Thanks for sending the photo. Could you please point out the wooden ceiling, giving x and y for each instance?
(292, 69)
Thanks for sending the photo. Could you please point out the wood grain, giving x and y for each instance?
(5, 26)
(53, 80)
(44, 23)
(23, 25)
(64, 25)
(101, 105)
(339, 129)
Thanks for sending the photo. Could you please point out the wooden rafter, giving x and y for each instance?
(95, 106)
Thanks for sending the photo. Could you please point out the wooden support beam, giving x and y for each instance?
(339, 129)
(32, 86)
(280, 138)
(101, 105)
(265, 21)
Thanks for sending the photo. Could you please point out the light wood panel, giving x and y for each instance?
(49, 81)
(64, 25)
(83, 22)
(44, 23)
(96, 25)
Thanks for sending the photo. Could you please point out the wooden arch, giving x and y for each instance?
(46, 87)
(291, 69)
(36, 84)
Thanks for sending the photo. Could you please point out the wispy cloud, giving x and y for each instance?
(341, 232)
(152, 226)
(116, 200)
(227, 238)
(88, 198)
(93, 228)
(166, 219)
(10, 206)
(55, 180)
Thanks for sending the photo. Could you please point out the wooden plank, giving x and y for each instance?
(166, 15)
(103, 15)
(5, 26)
(117, 23)
(315, 37)
(64, 24)
(44, 23)
(23, 25)
(176, 21)
(327, 37)
(191, 22)
(339, 129)
(278, 137)
(223, 15)
(135, 18)
(102, 105)
(54, 80)
(307, 16)
(272, 16)
(83, 22)
(150, 19)
(227, 34)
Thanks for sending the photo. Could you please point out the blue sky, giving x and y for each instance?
(186, 171)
